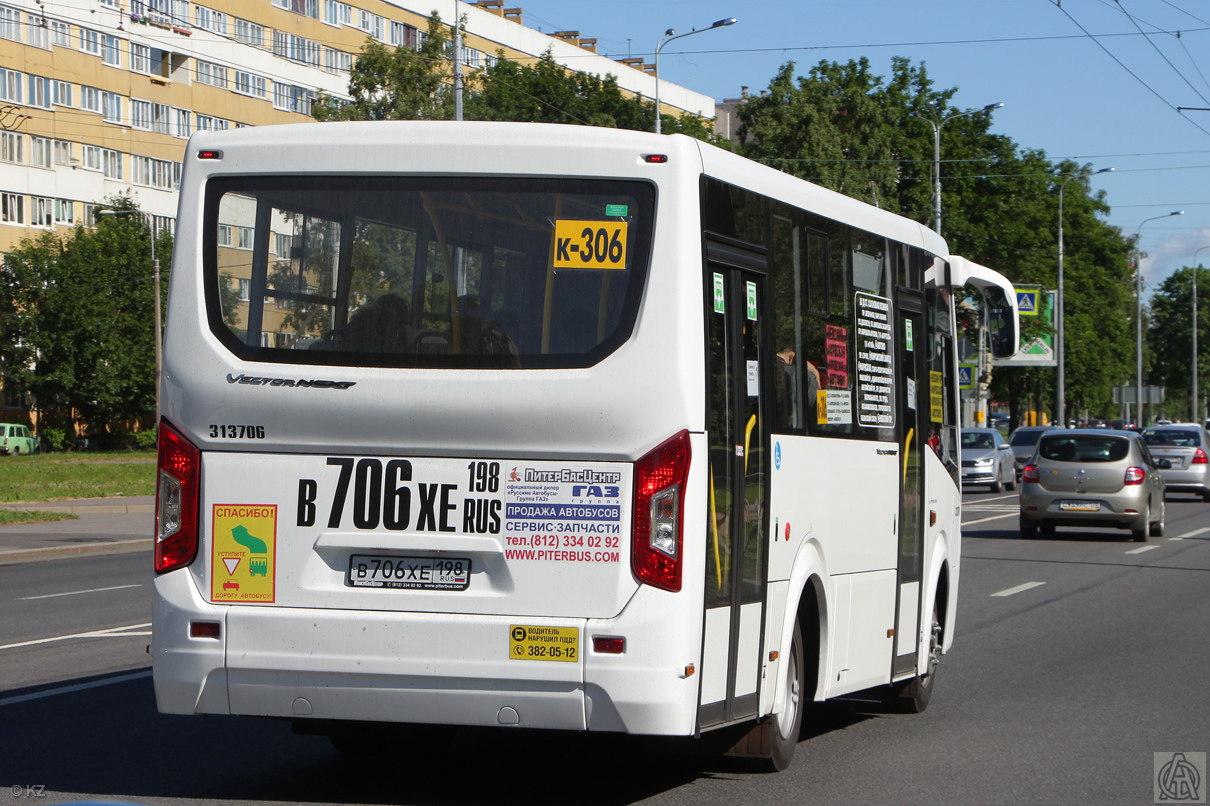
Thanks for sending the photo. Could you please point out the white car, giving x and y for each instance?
(987, 459)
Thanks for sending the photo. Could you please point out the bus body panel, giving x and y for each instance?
(281, 435)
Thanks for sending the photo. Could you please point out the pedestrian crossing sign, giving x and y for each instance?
(1027, 301)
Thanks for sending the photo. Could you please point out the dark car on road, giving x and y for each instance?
(1023, 441)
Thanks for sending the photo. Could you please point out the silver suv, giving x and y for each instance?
(1187, 447)
(1093, 477)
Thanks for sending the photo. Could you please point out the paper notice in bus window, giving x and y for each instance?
(244, 553)
(834, 407)
(589, 245)
(936, 406)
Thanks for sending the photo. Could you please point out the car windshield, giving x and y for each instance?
(1025, 438)
(970, 440)
(1084, 449)
(1171, 437)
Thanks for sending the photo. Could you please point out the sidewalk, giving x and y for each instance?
(104, 526)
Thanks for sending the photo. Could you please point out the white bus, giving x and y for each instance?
(492, 424)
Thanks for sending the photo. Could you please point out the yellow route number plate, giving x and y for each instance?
(590, 245)
(527, 642)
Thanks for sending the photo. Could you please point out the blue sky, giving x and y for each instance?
(1078, 81)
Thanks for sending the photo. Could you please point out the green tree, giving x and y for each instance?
(77, 322)
(397, 83)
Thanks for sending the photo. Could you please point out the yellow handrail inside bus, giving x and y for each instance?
(718, 563)
(907, 449)
(748, 439)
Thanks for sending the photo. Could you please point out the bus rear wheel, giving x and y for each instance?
(912, 696)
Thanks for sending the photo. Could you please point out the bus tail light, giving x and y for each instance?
(659, 488)
(176, 500)
(1135, 475)
(1030, 474)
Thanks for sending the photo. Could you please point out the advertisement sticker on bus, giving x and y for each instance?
(244, 553)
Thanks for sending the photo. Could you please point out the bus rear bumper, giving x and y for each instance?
(430, 668)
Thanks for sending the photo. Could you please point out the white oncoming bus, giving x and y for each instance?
(489, 424)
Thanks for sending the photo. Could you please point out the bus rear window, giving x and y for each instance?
(426, 272)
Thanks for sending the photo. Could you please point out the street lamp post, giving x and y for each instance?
(937, 122)
(1060, 313)
(155, 283)
(1138, 324)
(668, 36)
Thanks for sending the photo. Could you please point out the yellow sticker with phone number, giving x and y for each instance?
(590, 245)
(527, 642)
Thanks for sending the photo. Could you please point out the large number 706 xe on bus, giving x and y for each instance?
(487, 424)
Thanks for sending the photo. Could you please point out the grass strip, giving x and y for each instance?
(12, 517)
(62, 476)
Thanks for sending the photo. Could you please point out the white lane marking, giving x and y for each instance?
(109, 681)
(1194, 533)
(992, 518)
(112, 632)
(1141, 550)
(1023, 587)
(1009, 497)
(75, 593)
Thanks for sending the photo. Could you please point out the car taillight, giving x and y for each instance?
(1199, 457)
(659, 484)
(176, 500)
(1030, 474)
(1135, 475)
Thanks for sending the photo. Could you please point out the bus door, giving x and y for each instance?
(740, 364)
(914, 397)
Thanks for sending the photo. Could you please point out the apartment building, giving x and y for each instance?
(97, 97)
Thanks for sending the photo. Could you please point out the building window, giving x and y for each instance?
(308, 8)
(41, 151)
(140, 58)
(40, 93)
(12, 147)
(60, 33)
(151, 172)
(90, 99)
(337, 61)
(337, 13)
(90, 41)
(111, 106)
(210, 19)
(10, 85)
(295, 48)
(39, 34)
(181, 126)
(164, 12)
(249, 84)
(244, 237)
(111, 50)
(92, 158)
(41, 211)
(111, 163)
(292, 98)
(10, 23)
(214, 74)
(372, 24)
(404, 36)
(224, 239)
(12, 208)
(64, 211)
(250, 32)
(208, 123)
(62, 91)
(64, 152)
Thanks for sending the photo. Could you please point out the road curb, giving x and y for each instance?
(16, 556)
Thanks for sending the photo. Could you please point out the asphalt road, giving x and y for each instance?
(1078, 660)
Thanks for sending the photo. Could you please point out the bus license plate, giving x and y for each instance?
(1079, 506)
(417, 573)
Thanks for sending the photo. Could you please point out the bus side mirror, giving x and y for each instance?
(1002, 329)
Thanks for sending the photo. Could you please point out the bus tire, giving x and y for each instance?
(912, 696)
(787, 726)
